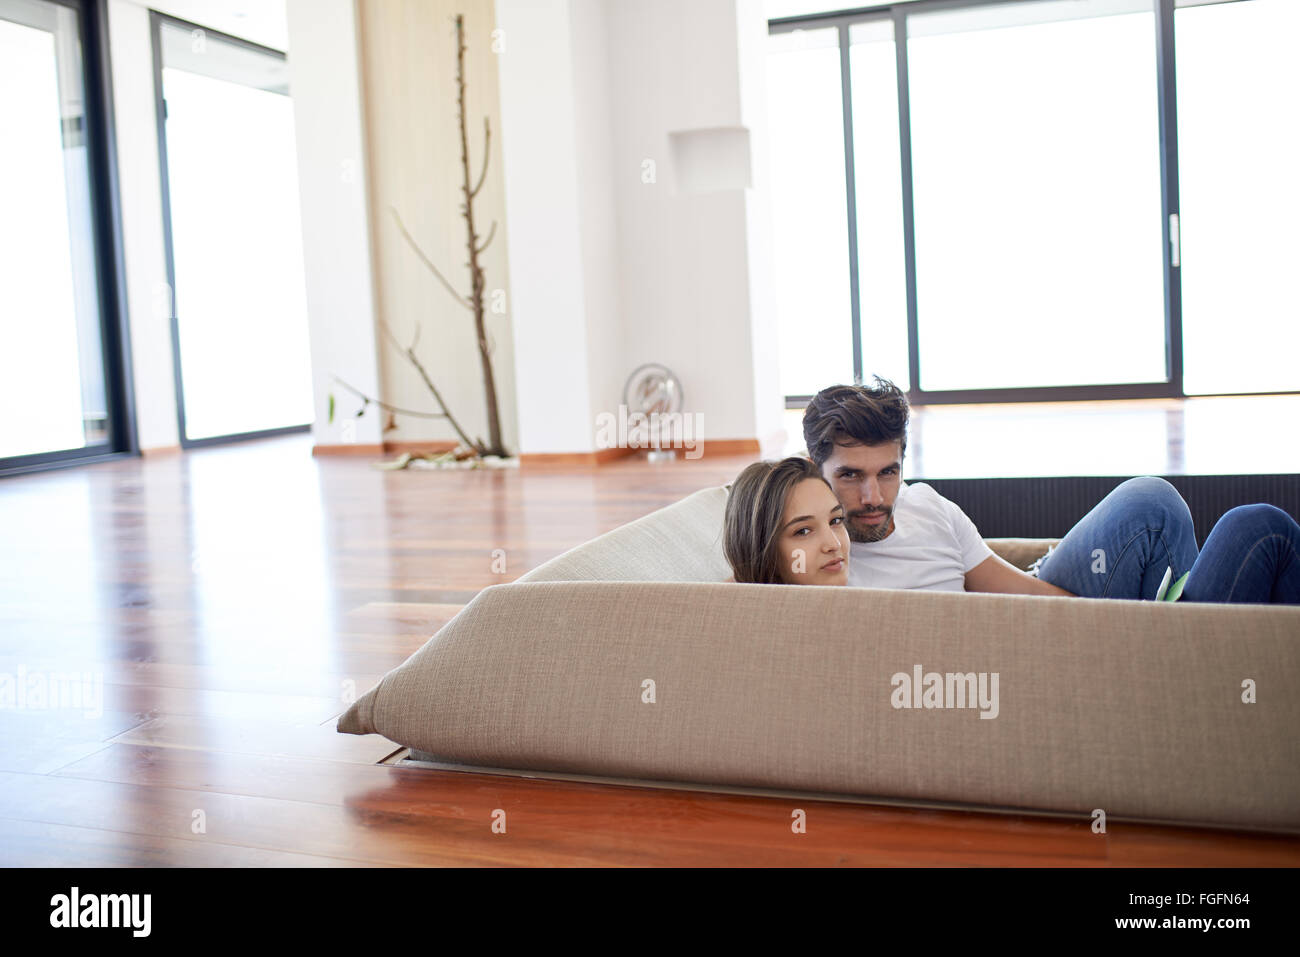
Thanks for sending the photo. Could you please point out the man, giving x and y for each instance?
(909, 536)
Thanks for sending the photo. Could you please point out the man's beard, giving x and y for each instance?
(859, 532)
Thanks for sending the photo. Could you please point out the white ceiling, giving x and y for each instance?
(774, 9)
(262, 21)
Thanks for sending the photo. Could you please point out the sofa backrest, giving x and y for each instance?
(682, 542)
(1134, 707)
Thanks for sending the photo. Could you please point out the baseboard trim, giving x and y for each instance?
(412, 446)
(729, 447)
(431, 446)
(715, 447)
(352, 448)
(562, 459)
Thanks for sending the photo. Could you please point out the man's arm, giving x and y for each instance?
(995, 574)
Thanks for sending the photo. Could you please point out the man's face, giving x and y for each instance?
(866, 479)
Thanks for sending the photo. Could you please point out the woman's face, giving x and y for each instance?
(813, 543)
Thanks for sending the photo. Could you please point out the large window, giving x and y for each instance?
(1238, 149)
(61, 381)
(882, 274)
(809, 224)
(1043, 198)
(235, 241)
(1036, 195)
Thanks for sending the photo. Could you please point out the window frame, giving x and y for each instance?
(156, 22)
(110, 262)
(899, 13)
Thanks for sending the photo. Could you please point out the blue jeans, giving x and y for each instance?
(1251, 556)
(1122, 547)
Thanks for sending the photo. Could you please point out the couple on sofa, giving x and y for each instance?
(844, 515)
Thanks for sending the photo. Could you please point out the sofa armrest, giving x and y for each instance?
(1021, 552)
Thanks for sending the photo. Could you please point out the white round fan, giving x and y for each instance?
(653, 389)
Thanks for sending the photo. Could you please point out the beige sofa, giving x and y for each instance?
(629, 657)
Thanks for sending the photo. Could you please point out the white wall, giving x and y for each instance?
(414, 166)
(596, 180)
(544, 212)
(684, 267)
(769, 397)
(658, 272)
(325, 83)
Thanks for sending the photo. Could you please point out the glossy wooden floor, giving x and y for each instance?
(228, 597)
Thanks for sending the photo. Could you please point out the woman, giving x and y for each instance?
(784, 526)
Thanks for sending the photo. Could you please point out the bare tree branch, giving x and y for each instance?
(383, 324)
(487, 139)
(473, 301)
(427, 261)
(390, 408)
(446, 413)
(478, 282)
(479, 447)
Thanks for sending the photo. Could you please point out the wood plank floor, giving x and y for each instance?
(219, 605)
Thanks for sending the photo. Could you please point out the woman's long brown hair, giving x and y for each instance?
(752, 522)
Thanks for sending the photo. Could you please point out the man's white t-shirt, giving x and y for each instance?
(933, 546)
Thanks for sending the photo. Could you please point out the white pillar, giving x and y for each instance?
(325, 83)
(543, 211)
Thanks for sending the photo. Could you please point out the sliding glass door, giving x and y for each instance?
(1046, 199)
(59, 387)
(878, 201)
(234, 235)
(809, 226)
(1036, 195)
(1238, 148)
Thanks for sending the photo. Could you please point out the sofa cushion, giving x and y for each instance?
(678, 543)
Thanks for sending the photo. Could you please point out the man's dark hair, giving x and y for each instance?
(855, 415)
